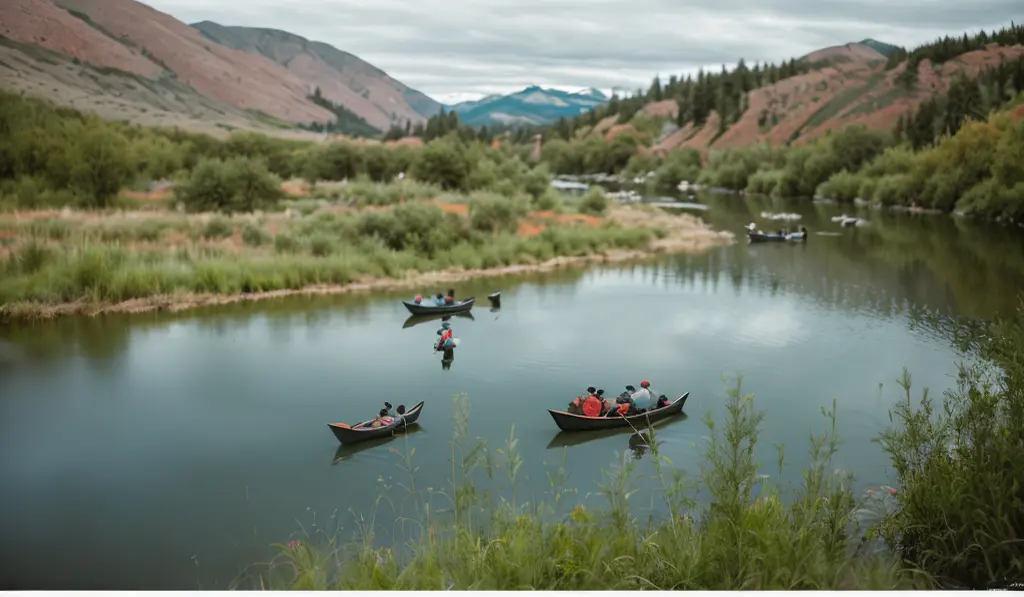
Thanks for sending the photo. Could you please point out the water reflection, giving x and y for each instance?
(349, 452)
(447, 359)
(415, 320)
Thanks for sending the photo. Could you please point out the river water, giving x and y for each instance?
(169, 450)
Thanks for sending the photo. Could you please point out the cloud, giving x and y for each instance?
(445, 47)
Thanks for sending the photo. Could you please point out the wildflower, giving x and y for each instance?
(294, 544)
(892, 491)
(871, 492)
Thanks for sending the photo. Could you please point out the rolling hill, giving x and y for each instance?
(870, 83)
(531, 106)
(125, 60)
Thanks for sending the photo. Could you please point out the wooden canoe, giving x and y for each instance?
(422, 309)
(347, 434)
(570, 422)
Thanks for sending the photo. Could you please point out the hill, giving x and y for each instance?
(343, 78)
(874, 84)
(531, 106)
(125, 60)
(879, 46)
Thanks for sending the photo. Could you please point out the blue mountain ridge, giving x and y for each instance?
(532, 105)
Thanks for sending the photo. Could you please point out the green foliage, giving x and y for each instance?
(495, 213)
(842, 186)
(445, 163)
(594, 202)
(238, 184)
(679, 165)
(960, 510)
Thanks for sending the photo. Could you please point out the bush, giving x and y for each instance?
(255, 236)
(218, 227)
(494, 213)
(594, 202)
(237, 184)
(764, 182)
(960, 510)
(842, 186)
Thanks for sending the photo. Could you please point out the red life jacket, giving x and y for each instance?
(448, 300)
(577, 401)
(592, 406)
(446, 335)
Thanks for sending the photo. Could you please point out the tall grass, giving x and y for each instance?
(479, 534)
(112, 260)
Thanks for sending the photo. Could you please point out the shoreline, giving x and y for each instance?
(22, 312)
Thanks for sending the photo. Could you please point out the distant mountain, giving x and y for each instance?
(879, 46)
(125, 60)
(343, 78)
(533, 105)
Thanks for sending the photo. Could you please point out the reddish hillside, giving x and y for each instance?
(849, 84)
(342, 78)
(236, 78)
(41, 23)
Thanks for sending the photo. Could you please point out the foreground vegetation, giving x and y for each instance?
(952, 521)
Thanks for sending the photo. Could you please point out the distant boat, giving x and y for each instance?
(569, 185)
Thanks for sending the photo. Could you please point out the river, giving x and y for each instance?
(161, 451)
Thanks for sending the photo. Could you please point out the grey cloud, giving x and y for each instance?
(485, 46)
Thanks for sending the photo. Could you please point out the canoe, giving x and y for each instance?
(495, 298)
(418, 319)
(422, 309)
(766, 238)
(357, 433)
(567, 439)
(776, 238)
(570, 422)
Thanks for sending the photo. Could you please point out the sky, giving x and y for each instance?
(454, 50)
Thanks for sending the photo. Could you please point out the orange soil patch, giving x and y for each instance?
(528, 229)
(295, 189)
(156, 195)
(453, 208)
(567, 218)
(1017, 114)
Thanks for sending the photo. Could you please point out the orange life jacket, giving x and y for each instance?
(623, 408)
(592, 406)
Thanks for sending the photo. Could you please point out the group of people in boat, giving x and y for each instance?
(752, 227)
(628, 403)
(384, 417)
(440, 299)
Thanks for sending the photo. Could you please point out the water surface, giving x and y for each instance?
(167, 451)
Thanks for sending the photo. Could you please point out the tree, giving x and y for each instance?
(101, 163)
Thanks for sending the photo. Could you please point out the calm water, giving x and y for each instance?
(168, 451)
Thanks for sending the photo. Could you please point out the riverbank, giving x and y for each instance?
(86, 263)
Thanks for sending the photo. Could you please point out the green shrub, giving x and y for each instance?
(594, 202)
(218, 227)
(842, 186)
(237, 184)
(495, 213)
(255, 236)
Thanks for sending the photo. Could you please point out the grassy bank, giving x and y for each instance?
(952, 520)
(370, 237)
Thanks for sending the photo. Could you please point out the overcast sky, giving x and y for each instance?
(461, 49)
